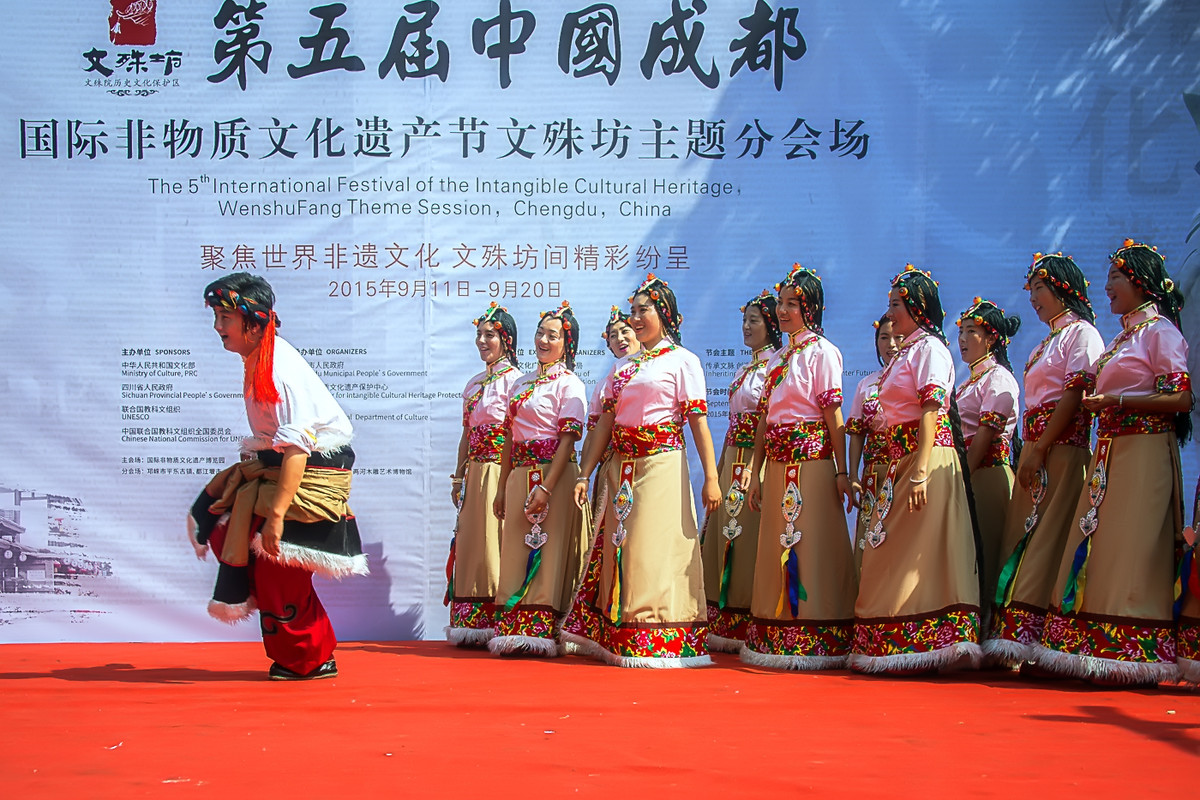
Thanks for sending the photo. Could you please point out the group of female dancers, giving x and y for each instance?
(1074, 564)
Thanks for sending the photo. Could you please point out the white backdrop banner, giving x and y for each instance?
(392, 168)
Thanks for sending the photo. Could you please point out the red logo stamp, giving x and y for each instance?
(131, 22)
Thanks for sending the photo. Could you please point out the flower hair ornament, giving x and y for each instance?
(262, 372)
(975, 314)
(490, 316)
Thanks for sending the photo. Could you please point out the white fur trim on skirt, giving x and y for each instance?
(776, 661)
(961, 655)
(1108, 670)
(329, 565)
(1006, 653)
(523, 645)
(722, 644)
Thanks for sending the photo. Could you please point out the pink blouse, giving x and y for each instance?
(662, 385)
(485, 398)
(1065, 359)
(864, 413)
(812, 383)
(747, 386)
(921, 372)
(547, 405)
(1148, 355)
(989, 398)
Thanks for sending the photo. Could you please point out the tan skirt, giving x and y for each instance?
(993, 489)
(918, 597)
(872, 479)
(584, 608)
(1121, 629)
(727, 624)
(815, 632)
(476, 558)
(531, 625)
(1016, 626)
(656, 617)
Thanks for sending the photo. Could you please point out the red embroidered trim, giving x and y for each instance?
(922, 634)
(902, 438)
(1114, 421)
(799, 441)
(533, 451)
(1077, 434)
(741, 429)
(833, 397)
(647, 440)
(800, 637)
(485, 442)
(1142, 641)
(1173, 382)
(1018, 623)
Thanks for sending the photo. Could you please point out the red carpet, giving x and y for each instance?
(421, 719)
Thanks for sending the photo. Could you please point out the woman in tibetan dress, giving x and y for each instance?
(1052, 468)
(802, 611)
(730, 536)
(1111, 619)
(651, 580)
(543, 540)
(864, 431)
(918, 599)
(988, 406)
(621, 342)
(473, 570)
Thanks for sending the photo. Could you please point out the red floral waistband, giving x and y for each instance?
(799, 441)
(484, 443)
(902, 438)
(1116, 421)
(647, 440)
(741, 429)
(535, 451)
(1078, 432)
(999, 453)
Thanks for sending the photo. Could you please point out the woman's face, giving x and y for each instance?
(236, 335)
(755, 333)
(644, 319)
(1045, 302)
(549, 341)
(788, 310)
(1123, 296)
(887, 343)
(974, 342)
(621, 339)
(488, 341)
(902, 322)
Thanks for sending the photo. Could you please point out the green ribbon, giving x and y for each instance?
(1008, 575)
(726, 574)
(531, 568)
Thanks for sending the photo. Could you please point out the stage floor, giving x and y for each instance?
(423, 719)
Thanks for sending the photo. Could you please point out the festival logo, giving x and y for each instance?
(132, 22)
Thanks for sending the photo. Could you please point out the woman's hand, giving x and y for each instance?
(846, 491)
(1032, 460)
(498, 504)
(1095, 402)
(856, 491)
(581, 492)
(918, 495)
(537, 501)
(711, 494)
(754, 493)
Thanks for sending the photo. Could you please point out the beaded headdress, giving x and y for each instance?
(570, 331)
(490, 316)
(1118, 260)
(650, 287)
(1038, 270)
(901, 283)
(763, 302)
(615, 315)
(975, 314)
